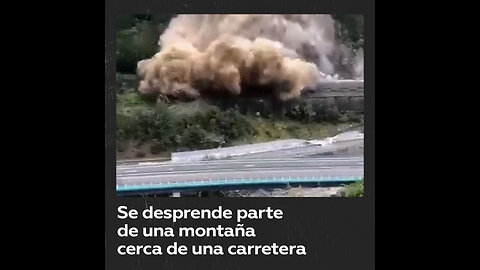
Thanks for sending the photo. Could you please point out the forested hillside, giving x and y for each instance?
(147, 128)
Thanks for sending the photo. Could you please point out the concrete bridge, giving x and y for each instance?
(205, 175)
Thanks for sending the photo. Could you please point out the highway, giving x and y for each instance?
(144, 176)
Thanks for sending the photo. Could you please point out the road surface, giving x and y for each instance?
(232, 172)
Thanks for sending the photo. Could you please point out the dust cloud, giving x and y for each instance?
(228, 53)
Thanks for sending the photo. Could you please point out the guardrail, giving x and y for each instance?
(198, 184)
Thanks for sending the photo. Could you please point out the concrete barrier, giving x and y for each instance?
(227, 152)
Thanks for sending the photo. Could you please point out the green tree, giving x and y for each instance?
(350, 29)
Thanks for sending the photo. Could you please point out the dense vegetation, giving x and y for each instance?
(165, 130)
(137, 39)
(350, 30)
(354, 190)
(167, 126)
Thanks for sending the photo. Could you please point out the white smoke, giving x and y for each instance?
(358, 64)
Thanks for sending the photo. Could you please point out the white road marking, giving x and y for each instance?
(232, 173)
